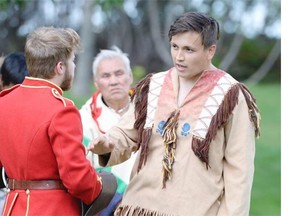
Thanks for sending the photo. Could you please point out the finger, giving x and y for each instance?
(93, 143)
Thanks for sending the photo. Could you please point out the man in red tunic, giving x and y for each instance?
(41, 133)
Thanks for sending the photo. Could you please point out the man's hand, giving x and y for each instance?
(100, 146)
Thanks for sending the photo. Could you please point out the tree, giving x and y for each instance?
(85, 58)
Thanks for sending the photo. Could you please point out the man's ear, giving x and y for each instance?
(60, 68)
(95, 84)
(211, 51)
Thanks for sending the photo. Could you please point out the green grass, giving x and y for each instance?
(78, 100)
(266, 191)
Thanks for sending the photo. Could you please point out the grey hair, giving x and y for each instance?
(114, 52)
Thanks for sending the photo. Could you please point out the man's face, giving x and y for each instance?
(69, 73)
(113, 80)
(188, 54)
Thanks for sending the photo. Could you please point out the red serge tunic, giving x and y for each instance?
(40, 139)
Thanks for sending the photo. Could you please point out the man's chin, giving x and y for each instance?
(116, 94)
(66, 86)
(118, 97)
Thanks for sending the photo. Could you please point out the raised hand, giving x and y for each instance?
(101, 145)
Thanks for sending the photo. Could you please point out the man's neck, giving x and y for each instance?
(120, 107)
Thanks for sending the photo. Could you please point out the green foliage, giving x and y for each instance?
(109, 4)
(252, 54)
(6, 3)
(274, 76)
(138, 73)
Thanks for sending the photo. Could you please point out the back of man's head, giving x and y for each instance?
(46, 46)
(13, 69)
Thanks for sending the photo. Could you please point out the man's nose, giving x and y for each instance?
(113, 80)
(179, 55)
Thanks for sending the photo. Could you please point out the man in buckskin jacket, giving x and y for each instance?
(194, 126)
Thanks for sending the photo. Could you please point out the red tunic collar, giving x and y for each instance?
(33, 82)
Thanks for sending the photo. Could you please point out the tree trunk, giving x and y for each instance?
(155, 30)
(83, 71)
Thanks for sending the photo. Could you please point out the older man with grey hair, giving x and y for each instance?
(112, 78)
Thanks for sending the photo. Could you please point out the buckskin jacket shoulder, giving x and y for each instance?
(41, 135)
(194, 159)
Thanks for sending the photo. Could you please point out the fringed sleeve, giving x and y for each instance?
(201, 146)
(254, 113)
(140, 98)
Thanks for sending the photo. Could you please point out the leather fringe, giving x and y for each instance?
(146, 135)
(200, 146)
(254, 113)
(169, 140)
(140, 98)
(125, 210)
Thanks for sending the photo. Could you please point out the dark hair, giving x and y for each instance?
(14, 69)
(208, 27)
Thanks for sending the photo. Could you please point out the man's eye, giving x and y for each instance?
(189, 50)
(174, 47)
(105, 76)
(120, 73)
